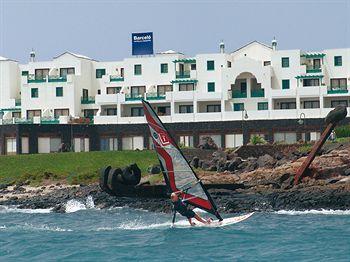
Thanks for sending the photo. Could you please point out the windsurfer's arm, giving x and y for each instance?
(191, 223)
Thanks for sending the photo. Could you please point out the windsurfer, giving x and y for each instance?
(179, 206)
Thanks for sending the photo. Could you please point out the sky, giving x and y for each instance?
(102, 29)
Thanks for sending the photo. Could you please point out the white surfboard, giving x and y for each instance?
(215, 223)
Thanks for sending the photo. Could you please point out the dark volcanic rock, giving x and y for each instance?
(195, 162)
(266, 161)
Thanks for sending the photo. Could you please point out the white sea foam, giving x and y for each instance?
(314, 212)
(75, 205)
(3, 227)
(14, 209)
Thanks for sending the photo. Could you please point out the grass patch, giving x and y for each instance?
(73, 168)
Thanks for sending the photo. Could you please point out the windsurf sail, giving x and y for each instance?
(178, 174)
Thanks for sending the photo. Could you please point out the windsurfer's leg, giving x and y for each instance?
(201, 219)
(191, 223)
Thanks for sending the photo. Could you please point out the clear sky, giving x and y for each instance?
(102, 29)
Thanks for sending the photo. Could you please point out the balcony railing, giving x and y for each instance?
(311, 70)
(257, 93)
(88, 100)
(18, 102)
(184, 74)
(238, 94)
(49, 120)
(23, 121)
(113, 78)
(57, 79)
(155, 96)
(340, 90)
(36, 79)
(133, 97)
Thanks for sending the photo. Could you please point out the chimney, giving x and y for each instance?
(222, 47)
(32, 56)
(274, 44)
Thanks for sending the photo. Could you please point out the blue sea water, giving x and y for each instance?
(125, 234)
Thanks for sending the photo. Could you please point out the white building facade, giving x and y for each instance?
(255, 83)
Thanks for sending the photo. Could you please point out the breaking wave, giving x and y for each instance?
(14, 209)
(75, 205)
(314, 212)
(32, 227)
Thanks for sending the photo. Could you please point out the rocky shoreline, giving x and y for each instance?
(262, 184)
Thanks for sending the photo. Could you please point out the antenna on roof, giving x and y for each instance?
(32, 56)
(222, 47)
(274, 44)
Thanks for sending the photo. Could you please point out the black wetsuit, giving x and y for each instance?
(180, 207)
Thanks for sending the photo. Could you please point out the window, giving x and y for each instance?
(338, 83)
(33, 113)
(85, 93)
(311, 104)
(287, 105)
(81, 144)
(98, 91)
(213, 108)
(163, 110)
(186, 87)
(16, 114)
(137, 70)
(90, 113)
(59, 91)
(137, 111)
(243, 87)
(25, 73)
(34, 92)
(186, 141)
(210, 65)
(67, 71)
(338, 61)
(111, 111)
(137, 90)
(211, 87)
(113, 90)
(109, 144)
(286, 137)
(164, 68)
(229, 64)
(335, 103)
(285, 84)
(311, 82)
(61, 112)
(185, 109)
(317, 63)
(193, 67)
(285, 61)
(100, 73)
(162, 89)
(216, 138)
(11, 145)
(41, 73)
(263, 106)
(267, 63)
(233, 140)
(132, 143)
(238, 106)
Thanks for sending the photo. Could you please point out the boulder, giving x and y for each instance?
(266, 161)
(195, 162)
(154, 169)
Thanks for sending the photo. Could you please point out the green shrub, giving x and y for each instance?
(257, 140)
(342, 131)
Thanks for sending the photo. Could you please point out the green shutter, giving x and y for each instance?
(285, 84)
(100, 73)
(211, 87)
(285, 61)
(59, 91)
(338, 61)
(238, 106)
(34, 92)
(263, 106)
(210, 65)
(164, 68)
(25, 73)
(137, 70)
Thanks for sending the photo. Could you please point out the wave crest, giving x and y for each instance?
(314, 212)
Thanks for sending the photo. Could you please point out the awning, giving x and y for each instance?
(309, 76)
(10, 109)
(184, 81)
(185, 60)
(313, 55)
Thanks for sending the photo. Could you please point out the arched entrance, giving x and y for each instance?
(246, 85)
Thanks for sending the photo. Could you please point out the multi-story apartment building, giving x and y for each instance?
(282, 95)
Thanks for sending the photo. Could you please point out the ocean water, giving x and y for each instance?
(124, 234)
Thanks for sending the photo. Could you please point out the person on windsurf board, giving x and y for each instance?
(182, 208)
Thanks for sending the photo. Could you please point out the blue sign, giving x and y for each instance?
(142, 43)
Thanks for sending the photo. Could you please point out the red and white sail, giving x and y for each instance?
(178, 174)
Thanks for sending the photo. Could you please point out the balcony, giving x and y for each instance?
(50, 79)
(114, 78)
(155, 96)
(49, 120)
(57, 79)
(18, 102)
(312, 70)
(87, 100)
(257, 93)
(340, 90)
(36, 79)
(238, 94)
(133, 97)
(183, 74)
(23, 121)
